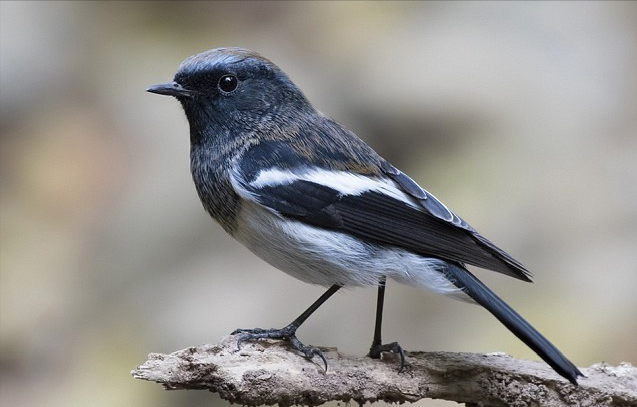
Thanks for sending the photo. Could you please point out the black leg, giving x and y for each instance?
(378, 347)
(380, 302)
(288, 333)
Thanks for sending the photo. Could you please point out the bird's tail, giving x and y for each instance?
(475, 289)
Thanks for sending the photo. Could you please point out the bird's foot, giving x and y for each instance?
(287, 333)
(377, 349)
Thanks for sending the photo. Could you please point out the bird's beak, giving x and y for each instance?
(170, 89)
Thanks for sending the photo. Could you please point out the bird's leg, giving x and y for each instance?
(377, 345)
(288, 333)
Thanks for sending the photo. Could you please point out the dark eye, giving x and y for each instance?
(228, 83)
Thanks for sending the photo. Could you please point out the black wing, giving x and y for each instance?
(439, 210)
(416, 221)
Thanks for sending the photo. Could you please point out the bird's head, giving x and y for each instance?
(227, 89)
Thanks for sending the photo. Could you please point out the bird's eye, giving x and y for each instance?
(228, 83)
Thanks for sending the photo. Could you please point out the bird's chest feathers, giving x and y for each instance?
(210, 172)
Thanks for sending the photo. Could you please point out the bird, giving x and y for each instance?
(312, 199)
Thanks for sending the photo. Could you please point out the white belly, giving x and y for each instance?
(318, 256)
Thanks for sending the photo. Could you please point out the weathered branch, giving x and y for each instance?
(269, 372)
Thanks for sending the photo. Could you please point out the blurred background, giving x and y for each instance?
(522, 117)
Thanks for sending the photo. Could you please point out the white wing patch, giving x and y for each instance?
(273, 177)
(344, 182)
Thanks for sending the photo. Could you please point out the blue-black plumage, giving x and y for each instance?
(311, 198)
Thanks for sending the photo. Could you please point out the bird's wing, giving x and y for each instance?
(439, 210)
(388, 209)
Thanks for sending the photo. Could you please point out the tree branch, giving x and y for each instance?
(270, 372)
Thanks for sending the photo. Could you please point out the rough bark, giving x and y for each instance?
(269, 372)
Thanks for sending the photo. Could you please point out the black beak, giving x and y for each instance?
(170, 89)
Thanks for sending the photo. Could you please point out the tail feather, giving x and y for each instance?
(481, 294)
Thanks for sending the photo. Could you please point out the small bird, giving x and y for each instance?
(312, 199)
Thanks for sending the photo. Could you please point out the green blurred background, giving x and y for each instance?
(522, 117)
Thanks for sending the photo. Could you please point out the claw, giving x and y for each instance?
(320, 354)
(245, 334)
(286, 334)
(239, 341)
(308, 351)
(402, 358)
(376, 350)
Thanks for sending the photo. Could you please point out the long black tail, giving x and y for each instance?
(481, 294)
